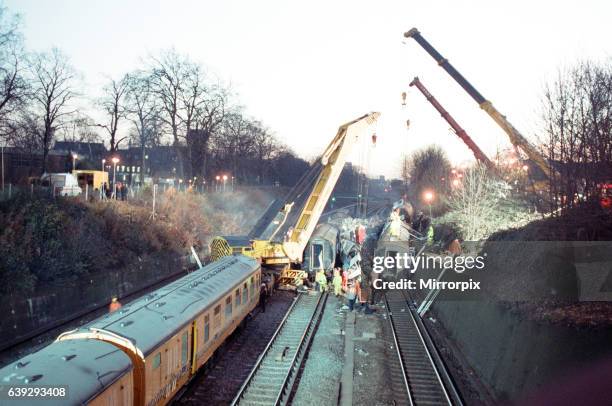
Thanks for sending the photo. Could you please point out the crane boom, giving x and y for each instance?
(333, 162)
(516, 138)
(454, 125)
(280, 239)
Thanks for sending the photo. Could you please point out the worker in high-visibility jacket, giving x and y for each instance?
(337, 282)
(114, 305)
(430, 234)
(321, 279)
(396, 223)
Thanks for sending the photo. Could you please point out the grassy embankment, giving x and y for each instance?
(45, 241)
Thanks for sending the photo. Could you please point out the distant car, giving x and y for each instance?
(63, 184)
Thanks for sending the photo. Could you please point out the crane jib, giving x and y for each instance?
(446, 65)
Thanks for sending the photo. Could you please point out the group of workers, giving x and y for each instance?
(420, 222)
(108, 192)
(341, 285)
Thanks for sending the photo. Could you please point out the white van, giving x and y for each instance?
(63, 184)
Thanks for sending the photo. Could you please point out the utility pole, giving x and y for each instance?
(3, 167)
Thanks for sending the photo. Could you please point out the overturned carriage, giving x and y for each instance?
(321, 252)
(408, 242)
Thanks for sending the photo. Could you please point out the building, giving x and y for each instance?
(88, 153)
(19, 165)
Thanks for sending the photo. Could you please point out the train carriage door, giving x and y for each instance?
(217, 319)
(317, 256)
(194, 347)
(228, 309)
(252, 287)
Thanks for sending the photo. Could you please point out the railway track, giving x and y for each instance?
(218, 382)
(422, 371)
(272, 379)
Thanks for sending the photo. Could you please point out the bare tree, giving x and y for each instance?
(482, 204)
(429, 170)
(113, 104)
(168, 77)
(53, 89)
(236, 140)
(13, 84)
(143, 109)
(577, 115)
(192, 97)
(475, 203)
(266, 148)
(211, 113)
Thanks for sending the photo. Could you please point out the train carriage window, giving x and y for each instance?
(184, 347)
(157, 360)
(206, 328)
(237, 300)
(228, 306)
(317, 256)
(217, 318)
(245, 293)
(252, 286)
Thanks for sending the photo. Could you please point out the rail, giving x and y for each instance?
(399, 355)
(279, 392)
(426, 378)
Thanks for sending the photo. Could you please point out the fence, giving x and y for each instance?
(147, 195)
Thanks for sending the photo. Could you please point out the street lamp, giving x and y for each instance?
(103, 162)
(217, 182)
(115, 162)
(428, 196)
(224, 180)
(74, 158)
(232, 184)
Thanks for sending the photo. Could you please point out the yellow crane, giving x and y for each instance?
(279, 242)
(517, 139)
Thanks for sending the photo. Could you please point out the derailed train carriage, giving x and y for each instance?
(145, 352)
(322, 249)
(408, 242)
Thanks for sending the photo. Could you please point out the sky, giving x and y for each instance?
(304, 68)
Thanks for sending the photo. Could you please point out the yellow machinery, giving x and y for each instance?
(280, 237)
(95, 179)
(517, 139)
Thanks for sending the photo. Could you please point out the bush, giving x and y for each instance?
(483, 205)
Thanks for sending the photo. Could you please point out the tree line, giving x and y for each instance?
(577, 117)
(168, 100)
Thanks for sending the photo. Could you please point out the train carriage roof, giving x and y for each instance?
(157, 316)
(86, 367)
(325, 231)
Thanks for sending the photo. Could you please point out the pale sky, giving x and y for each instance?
(304, 68)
